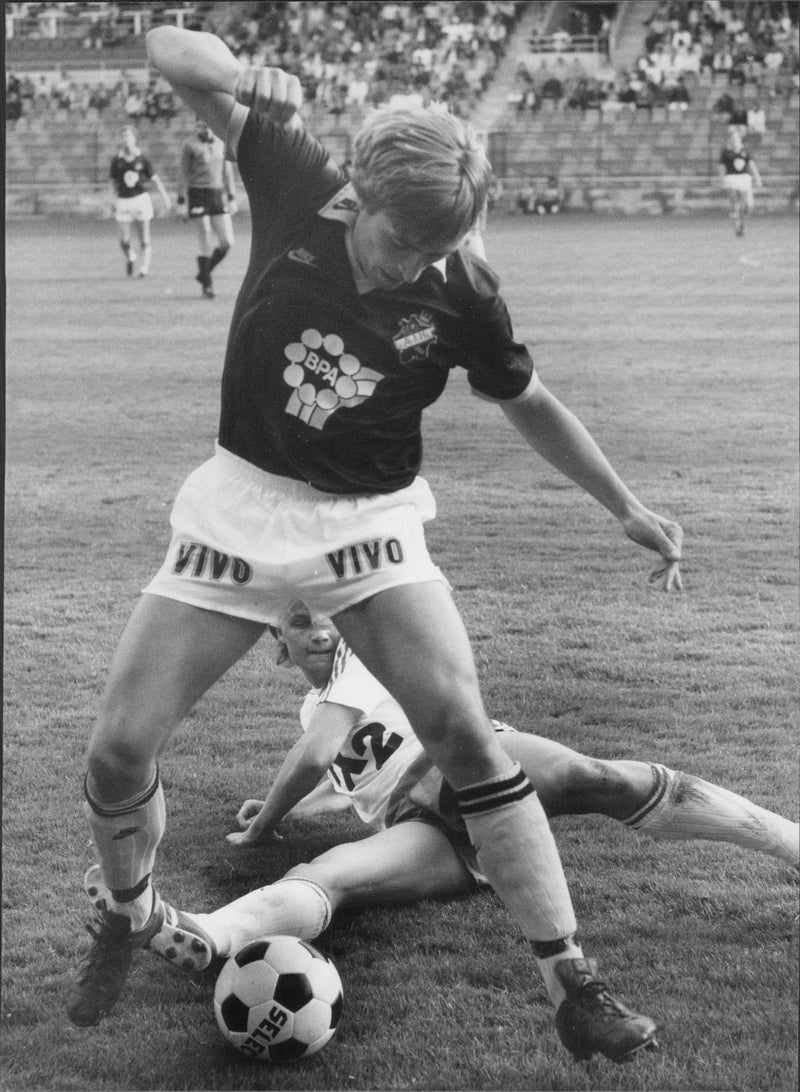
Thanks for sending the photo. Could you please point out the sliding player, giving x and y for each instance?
(360, 743)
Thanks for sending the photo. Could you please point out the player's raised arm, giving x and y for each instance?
(559, 437)
(207, 76)
(200, 68)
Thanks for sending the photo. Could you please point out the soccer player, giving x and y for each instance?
(358, 300)
(357, 739)
(739, 172)
(207, 195)
(131, 173)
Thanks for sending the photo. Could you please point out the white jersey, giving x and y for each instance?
(381, 766)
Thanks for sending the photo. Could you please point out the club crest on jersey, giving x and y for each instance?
(323, 378)
(301, 255)
(417, 335)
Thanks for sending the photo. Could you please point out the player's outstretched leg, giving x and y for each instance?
(682, 806)
(590, 1021)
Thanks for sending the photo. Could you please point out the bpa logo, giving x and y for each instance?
(323, 377)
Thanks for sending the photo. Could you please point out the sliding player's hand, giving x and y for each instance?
(275, 94)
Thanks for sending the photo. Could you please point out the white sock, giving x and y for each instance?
(126, 836)
(547, 967)
(517, 853)
(293, 905)
(682, 806)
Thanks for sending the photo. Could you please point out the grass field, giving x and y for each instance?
(677, 344)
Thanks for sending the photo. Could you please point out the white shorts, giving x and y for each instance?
(138, 208)
(742, 183)
(245, 542)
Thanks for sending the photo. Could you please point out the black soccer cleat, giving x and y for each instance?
(103, 970)
(591, 1021)
(179, 937)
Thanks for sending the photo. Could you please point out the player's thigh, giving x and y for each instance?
(410, 861)
(413, 640)
(169, 654)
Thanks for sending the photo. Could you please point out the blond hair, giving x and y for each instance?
(425, 169)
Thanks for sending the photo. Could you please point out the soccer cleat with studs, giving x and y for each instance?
(591, 1021)
(178, 939)
(103, 970)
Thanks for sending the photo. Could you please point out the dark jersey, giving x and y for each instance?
(735, 162)
(322, 384)
(203, 163)
(130, 176)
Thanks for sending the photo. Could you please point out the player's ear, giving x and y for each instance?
(283, 651)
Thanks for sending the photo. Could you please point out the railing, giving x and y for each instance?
(563, 43)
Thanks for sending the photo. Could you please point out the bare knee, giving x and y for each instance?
(121, 757)
(577, 785)
(461, 742)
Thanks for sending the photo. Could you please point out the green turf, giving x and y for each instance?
(676, 343)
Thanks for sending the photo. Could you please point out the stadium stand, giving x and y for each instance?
(627, 103)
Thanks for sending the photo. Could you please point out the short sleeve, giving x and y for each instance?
(501, 368)
(283, 169)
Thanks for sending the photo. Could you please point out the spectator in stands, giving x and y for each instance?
(739, 172)
(552, 91)
(526, 198)
(134, 104)
(207, 195)
(13, 103)
(677, 96)
(131, 174)
(494, 194)
(756, 119)
(550, 200)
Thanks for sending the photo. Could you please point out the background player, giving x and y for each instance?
(358, 740)
(739, 172)
(208, 197)
(358, 300)
(131, 173)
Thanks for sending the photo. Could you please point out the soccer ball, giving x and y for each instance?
(278, 999)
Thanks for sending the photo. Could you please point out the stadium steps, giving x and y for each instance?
(627, 43)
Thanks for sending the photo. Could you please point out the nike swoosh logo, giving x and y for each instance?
(125, 833)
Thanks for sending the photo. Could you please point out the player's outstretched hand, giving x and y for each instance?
(272, 92)
(248, 834)
(666, 538)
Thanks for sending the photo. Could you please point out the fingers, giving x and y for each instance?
(247, 811)
(667, 574)
(270, 91)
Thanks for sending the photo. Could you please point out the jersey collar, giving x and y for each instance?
(344, 206)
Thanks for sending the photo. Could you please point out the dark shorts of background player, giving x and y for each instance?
(206, 202)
